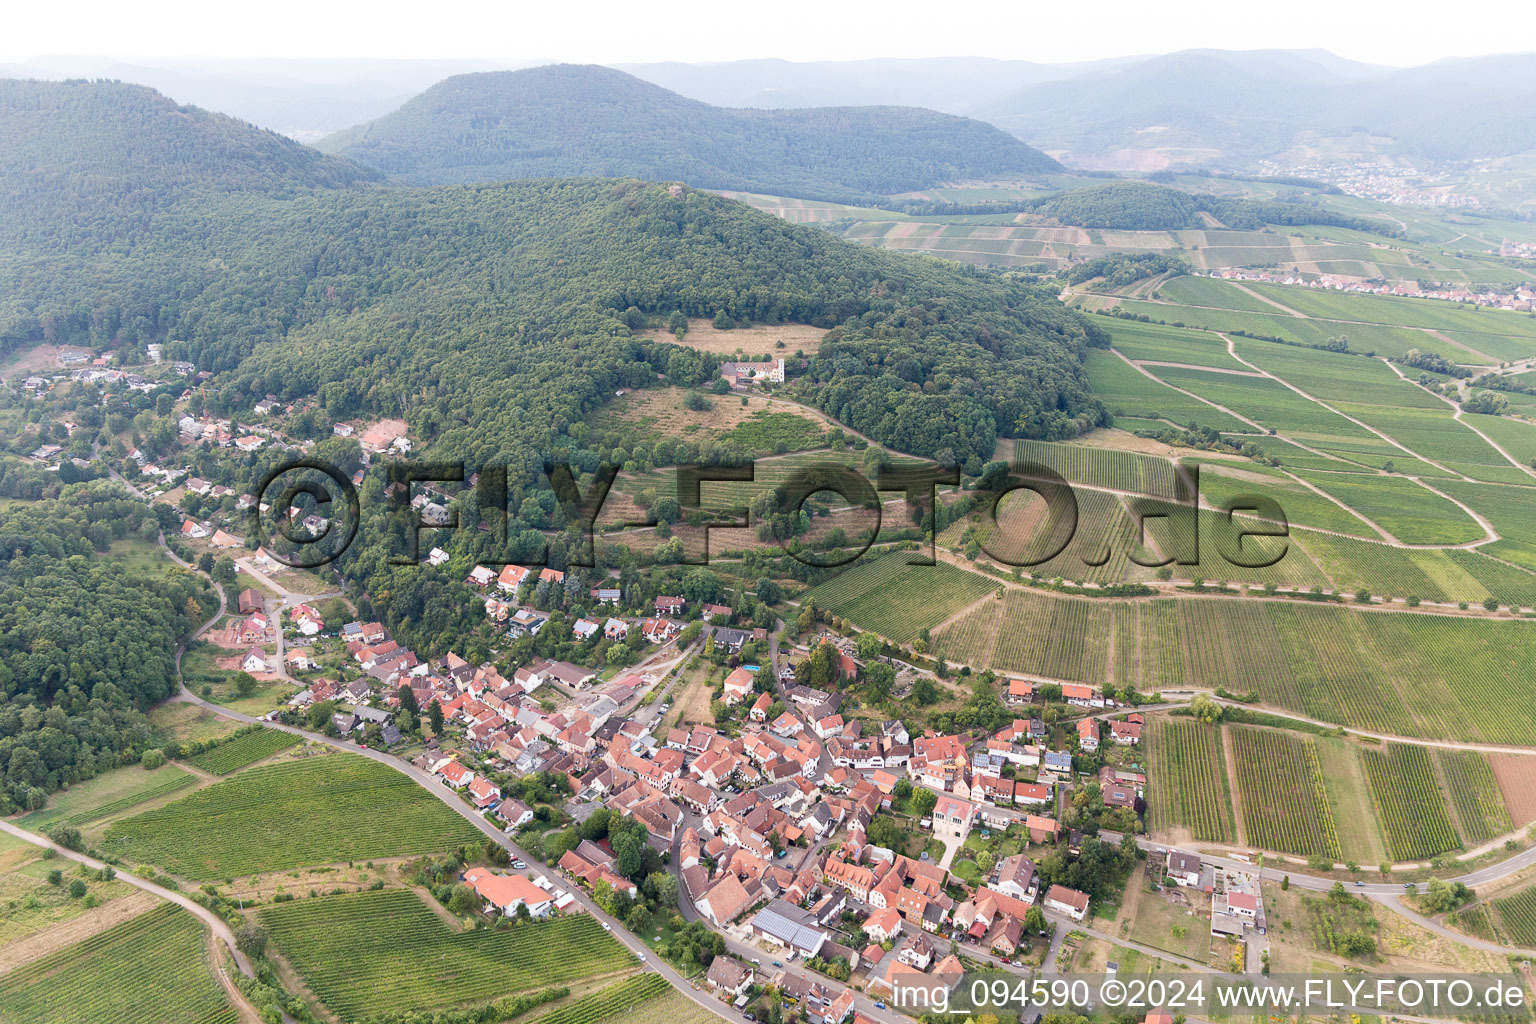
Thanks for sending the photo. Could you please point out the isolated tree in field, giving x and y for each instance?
(822, 668)
(76, 889)
(251, 940)
(462, 900)
(68, 837)
(924, 692)
(878, 680)
(1205, 709)
(245, 684)
(152, 758)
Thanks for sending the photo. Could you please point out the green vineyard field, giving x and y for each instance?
(615, 1001)
(1518, 914)
(1475, 795)
(151, 969)
(401, 956)
(244, 749)
(1409, 802)
(1285, 804)
(1189, 780)
(320, 810)
(898, 600)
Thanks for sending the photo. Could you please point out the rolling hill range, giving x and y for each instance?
(80, 156)
(563, 120)
(498, 314)
(1221, 108)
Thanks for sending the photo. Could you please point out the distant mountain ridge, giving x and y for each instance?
(566, 119)
(77, 152)
(1214, 108)
(492, 315)
(1221, 108)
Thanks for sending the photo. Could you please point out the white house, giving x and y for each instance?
(505, 893)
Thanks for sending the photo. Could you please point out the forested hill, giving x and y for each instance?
(495, 317)
(510, 321)
(86, 644)
(567, 119)
(82, 150)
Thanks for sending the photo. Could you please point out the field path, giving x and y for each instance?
(1202, 369)
(1395, 903)
(1265, 298)
(1229, 756)
(1441, 336)
(217, 924)
(1232, 351)
(77, 929)
(963, 612)
(1527, 470)
(1190, 394)
(1330, 320)
(1377, 527)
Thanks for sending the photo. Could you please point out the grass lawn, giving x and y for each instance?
(32, 905)
(244, 580)
(107, 794)
(966, 870)
(199, 667)
(1133, 961)
(1360, 837)
(1162, 924)
(179, 722)
(139, 556)
(266, 697)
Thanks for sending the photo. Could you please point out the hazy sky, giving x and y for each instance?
(1401, 33)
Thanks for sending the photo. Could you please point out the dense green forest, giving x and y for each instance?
(81, 158)
(1144, 206)
(85, 644)
(572, 120)
(1124, 205)
(496, 318)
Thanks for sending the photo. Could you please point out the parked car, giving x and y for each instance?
(607, 927)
